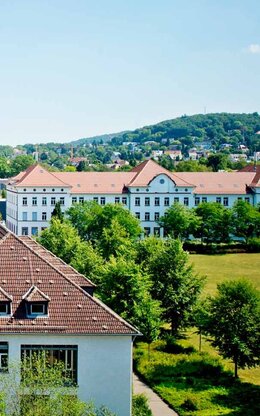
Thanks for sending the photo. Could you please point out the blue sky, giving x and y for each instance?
(71, 69)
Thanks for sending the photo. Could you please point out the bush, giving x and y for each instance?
(140, 406)
(253, 245)
(190, 404)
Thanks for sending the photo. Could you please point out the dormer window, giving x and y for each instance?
(5, 308)
(38, 309)
(5, 303)
(36, 303)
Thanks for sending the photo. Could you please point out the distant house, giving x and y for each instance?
(193, 155)
(75, 161)
(243, 148)
(237, 157)
(46, 305)
(174, 154)
(156, 154)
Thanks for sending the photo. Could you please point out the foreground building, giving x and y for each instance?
(46, 305)
(147, 191)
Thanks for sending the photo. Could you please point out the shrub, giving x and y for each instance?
(190, 404)
(253, 245)
(140, 406)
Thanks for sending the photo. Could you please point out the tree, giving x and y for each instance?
(21, 163)
(43, 391)
(61, 239)
(57, 211)
(217, 162)
(175, 284)
(214, 222)
(179, 221)
(123, 286)
(245, 220)
(234, 323)
(90, 219)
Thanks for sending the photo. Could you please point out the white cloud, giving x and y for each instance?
(254, 48)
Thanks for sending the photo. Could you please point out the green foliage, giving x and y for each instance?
(179, 221)
(214, 222)
(21, 163)
(217, 162)
(43, 391)
(90, 219)
(245, 220)
(191, 166)
(195, 384)
(140, 406)
(57, 212)
(174, 282)
(234, 322)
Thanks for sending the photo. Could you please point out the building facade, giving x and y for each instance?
(147, 191)
(46, 305)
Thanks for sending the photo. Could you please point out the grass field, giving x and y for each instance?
(227, 266)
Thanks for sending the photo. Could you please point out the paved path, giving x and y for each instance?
(156, 404)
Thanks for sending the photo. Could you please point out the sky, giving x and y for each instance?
(78, 68)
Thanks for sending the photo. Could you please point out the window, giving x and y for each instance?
(34, 200)
(34, 230)
(156, 216)
(62, 200)
(95, 199)
(239, 198)
(44, 200)
(162, 181)
(197, 200)
(44, 216)
(24, 230)
(225, 201)
(218, 200)
(81, 200)
(25, 200)
(137, 201)
(117, 200)
(137, 215)
(67, 354)
(186, 201)
(147, 231)
(53, 200)
(247, 199)
(3, 356)
(124, 200)
(102, 200)
(24, 216)
(37, 309)
(157, 201)
(34, 216)
(176, 200)
(156, 231)
(147, 201)
(74, 199)
(5, 308)
(147, 216)
(166, 201)
(204, 199)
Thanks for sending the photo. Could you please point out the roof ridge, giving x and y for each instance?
(30, 169)
(5, 236)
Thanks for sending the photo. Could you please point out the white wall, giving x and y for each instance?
(104, 366)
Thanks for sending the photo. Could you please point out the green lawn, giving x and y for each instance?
(227, 266)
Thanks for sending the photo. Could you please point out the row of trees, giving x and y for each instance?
(150, 281)
(132, 275)
(212, 222)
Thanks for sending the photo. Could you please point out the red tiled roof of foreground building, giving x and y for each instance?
(71, 310)
(36, 175)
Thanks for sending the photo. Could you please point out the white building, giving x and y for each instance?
(147, 191)
(46, 305)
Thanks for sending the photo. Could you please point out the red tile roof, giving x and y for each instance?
(35, 295)
(71, 310)
(36, 175)
(148, 170)
(218, 182)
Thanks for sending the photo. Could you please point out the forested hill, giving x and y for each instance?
(217, 129)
